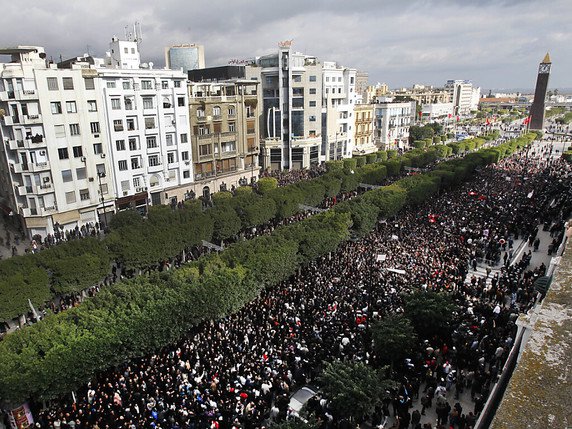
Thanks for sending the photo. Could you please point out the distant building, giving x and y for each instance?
(464, 95)
(374, 91)
(435, 111)
(362, 82)
(392, 122)
(423, 94)
(186, 57)
(364, 135)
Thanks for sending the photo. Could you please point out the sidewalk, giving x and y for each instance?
(6, 250)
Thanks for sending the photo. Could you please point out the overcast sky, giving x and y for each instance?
(495, 43)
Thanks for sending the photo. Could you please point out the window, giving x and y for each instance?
(297, 78)
(153, 160)
(231, 127)
(185, 156)
(126, 84)
(177, 83)
(151, 142)
(60, 130)
(70, 197)
(351, 80)
(149, 123)
(128, 103)
(148, 102)
(125, 184)
(80, 173)
(249, 112)
(133, 143)
(200, 113)
(312, 78)
(203, 131)
(89, 83)
(71, 107)
(97, 148)
(84, 194)
(146, 84)
(231, 111)
(100, 169)
(122, 165)
(205, 150)
(74, 129)
(67, 83)
(181, 101)
(56, 107)
(52, 83)
(136, 182)
(327, 78)
(312, 104)
(184, 138)
(135, 163)
(67, 176)
(92, 106)
(229, 147)
(171, 157)
(116, 104)
(312, 91)
(120, 144)
(165, 84)
(94, 126)
(63, 153)
(186, 174)
(131, 124)
(169, 139)
(118, 125)
(111, 84)
(216, 111)
(77, 151)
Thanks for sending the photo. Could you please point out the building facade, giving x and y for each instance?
(392, 122)
(464, 96)
(55, 151)
(364, 135)
(225, 135)
(291, 108)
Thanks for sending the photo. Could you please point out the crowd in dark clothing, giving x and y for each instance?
(238, 372)
(287, 177)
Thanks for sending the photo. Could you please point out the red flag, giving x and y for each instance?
(488, 122)
(450, 115)
(457, 118)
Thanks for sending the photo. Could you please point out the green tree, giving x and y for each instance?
(429, 312)
(354, 389)
(226, 222)
(393, 338)
(266, 184)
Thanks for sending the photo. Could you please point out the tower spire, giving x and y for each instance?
(546, 59)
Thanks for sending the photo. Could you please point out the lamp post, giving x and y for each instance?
(254, 149)
(100, 175)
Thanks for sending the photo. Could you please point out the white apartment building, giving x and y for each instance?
(392, 122)
(291, 113)
(434, 111)
(338, 122)
(54, 155)
(464, 95)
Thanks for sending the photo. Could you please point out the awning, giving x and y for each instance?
(127, 200)
(36, 222)
(66, 217)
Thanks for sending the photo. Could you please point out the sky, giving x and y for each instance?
(494, 43)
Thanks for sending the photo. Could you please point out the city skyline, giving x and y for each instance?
(494, 43)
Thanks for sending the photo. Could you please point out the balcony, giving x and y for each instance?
(44, 188)
(39, 166)
(7, 95)
(32, 119)
(14, 144)
(217, 117)
(27, 94)
(155, 168)
(204, 176)
(8, 121)
(19, 168)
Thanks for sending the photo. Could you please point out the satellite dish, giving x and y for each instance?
(150, 65)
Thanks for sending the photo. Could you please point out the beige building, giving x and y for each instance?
(224, 120)
(374, 91)
(364, 129)
(423, 94)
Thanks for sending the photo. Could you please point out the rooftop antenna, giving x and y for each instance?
(138, 36)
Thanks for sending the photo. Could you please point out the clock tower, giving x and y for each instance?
(537, 108)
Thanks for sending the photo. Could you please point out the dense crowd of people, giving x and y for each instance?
(238, 372)
(287, 177)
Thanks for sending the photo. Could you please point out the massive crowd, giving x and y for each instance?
(239, 371)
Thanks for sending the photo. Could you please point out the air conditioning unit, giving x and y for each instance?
(125, 193)
(91, 179)
(103, 155)
(96, 136)
(187, 162)
(83, 159)
(139, 189)
(173, 122)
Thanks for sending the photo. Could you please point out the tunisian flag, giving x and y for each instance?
(526, 120)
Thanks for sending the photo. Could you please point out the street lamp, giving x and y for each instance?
(100, 175)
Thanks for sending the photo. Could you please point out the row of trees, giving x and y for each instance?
(135, 317)
(75, 266)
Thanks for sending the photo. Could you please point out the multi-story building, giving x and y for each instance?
(435, 111)
(362, 82)
(423, 94)
(392, 122)
(148, 129)
(291, 98)
(364, 137)
(374, 91)
(225, 134)
(464, 96)
(55, 150)
(338, 102)
(186, 57)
